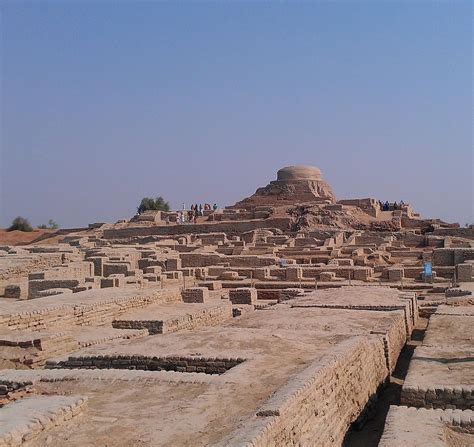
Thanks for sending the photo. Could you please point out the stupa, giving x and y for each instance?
(294, 184)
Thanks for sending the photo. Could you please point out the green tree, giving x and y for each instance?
(149, 203)
(20, 224)
(52, 225)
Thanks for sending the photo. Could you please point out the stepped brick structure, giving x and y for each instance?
(276, 322)
(294, 184)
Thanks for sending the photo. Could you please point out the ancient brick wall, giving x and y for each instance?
(40, 263)
(204, 318)
(331, 392)
(100, 312)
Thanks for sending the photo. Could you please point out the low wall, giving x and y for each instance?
(207, 317)
(141, 362)
(23, 420)
(331, 392)
(34, 264)
(441, 396)
(226, 227)
(97, 313)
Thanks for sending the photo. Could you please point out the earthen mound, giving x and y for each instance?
(294, 184)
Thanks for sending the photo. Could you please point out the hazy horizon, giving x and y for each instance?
(104, 103)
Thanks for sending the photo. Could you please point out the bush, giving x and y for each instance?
(149, 203)
(20, 224)
(52, 225)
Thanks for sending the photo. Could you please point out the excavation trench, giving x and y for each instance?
(368, 429)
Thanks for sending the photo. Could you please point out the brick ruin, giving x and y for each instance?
(281, 320)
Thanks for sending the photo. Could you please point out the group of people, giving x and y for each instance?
(196, 210)
(386, 206)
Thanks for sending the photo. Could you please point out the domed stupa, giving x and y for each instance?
(294, 184)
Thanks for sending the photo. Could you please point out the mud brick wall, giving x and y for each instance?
(140, 362)
(38, 285)
(211, 285)
(251, 261)
(195, 295)
(357, 273)
(98, 263)
(331, 392)
(399, 253)
(115, 268)
(244, 295)
(15, 291)
(52, 346)
(29, 423)
(101, 312)
(327, 276)
(41, 262)
(395, 274)
(288, 294)
(362, 273)
(12, 390)
(73, 270)
(450, 256)
(416, 272)
(413, 303)
(200, 259)
(278, 273)
(450, 293)
(174, 264)
(261, 273)
(268, 294)
(227, 227)
(394, 339)
(445, 397)
(279, 294)
(464, 272)
(206, 317)
(294, 273)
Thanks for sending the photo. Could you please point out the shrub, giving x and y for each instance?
(149, 203)
(52, 225)
(20, 224)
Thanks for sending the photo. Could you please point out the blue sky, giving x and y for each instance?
(104, 102)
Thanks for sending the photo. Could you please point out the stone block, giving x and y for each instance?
(327, 276)
(244, 295)
(294, 273)
(211, 285)
(261, 273)
(173, 264)
(115, 280)
(362, 274)
(15, 291)
(395, 274)
(229, 275)
(288, 294)
(195, 295)
(464, 272)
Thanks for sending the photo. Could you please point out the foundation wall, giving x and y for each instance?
(331, 392)
(101, 312)
(207, 317)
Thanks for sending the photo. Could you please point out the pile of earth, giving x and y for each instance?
(304, 217)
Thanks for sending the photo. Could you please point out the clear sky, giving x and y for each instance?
(104, 102)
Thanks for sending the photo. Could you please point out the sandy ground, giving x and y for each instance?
(21, 237)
